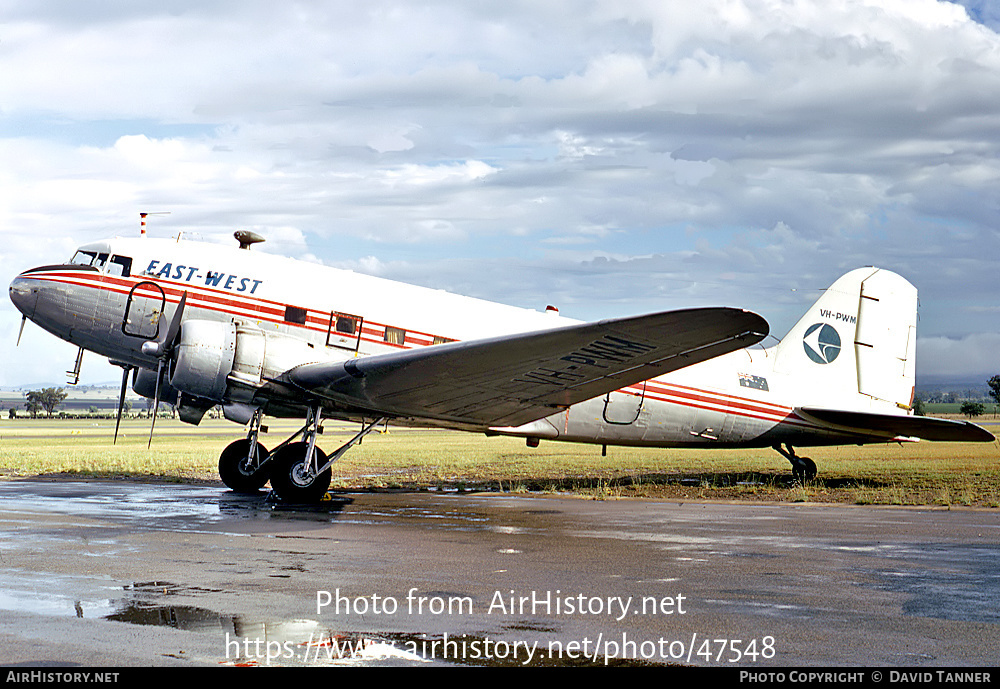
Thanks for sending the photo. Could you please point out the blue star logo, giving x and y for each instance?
(822, 343)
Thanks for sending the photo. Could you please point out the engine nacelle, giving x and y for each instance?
(145, 384)
(204, 358)
(262, 355)
(190, 409)
(225, 362)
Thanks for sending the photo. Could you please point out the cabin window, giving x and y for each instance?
(344, 331)
(346, 325)
(441, 340)
(396, 336)
(294, 314)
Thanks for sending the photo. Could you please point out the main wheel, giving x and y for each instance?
(239, 474)
(290, 477)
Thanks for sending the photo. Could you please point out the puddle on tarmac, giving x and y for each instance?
(310, 642)
(298, 642)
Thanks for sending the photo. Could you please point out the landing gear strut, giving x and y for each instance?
(300, 471)
(293, 474)
(244, 465)
(803, 468)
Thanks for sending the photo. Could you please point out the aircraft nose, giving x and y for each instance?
(24, 293)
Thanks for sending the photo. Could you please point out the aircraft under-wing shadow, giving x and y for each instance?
(199, 325)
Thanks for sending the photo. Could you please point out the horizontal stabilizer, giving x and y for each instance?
(923, 427)
(515, 379)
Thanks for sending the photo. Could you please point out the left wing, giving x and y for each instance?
(515, 379)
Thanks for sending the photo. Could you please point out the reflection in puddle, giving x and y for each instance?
(308, 642)
(244, 641)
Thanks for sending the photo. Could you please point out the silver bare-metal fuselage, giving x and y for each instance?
(77, 304)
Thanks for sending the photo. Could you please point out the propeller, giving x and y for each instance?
(121, 400)
(162, 347)
(21, 331)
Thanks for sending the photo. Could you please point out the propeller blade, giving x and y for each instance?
(175, 323)
(121, 403)
(156, 401)
(23, 319)
(161, 346)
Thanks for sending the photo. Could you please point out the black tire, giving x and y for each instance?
(804, 469)
(233, 470)
(810, 469)
(288, 481)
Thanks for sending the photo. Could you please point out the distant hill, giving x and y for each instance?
(956, 388)
(78, 397)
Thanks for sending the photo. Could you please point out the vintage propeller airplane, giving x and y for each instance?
(200, 325)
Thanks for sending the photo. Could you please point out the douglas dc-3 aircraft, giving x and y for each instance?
(202, 325)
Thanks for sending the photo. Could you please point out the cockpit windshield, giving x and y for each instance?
(84, 258)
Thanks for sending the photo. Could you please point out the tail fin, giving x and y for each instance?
(856, 346)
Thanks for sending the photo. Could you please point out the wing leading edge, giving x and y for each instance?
(514, 379)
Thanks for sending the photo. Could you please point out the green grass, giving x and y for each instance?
(951, 474)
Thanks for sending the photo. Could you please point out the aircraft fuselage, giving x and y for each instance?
(116, 295)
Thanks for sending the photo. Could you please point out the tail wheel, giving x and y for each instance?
(239, 471)
(292, 480)
(804, 470)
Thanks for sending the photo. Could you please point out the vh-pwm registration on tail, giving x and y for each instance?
(199, 325)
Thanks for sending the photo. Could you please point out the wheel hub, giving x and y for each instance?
(300, 475)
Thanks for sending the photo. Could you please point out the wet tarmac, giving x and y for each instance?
(129, 574)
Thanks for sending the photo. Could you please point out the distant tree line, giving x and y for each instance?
(46, 399)
(953, 396)
(973, 409)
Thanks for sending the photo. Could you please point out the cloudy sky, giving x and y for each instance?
(611, 158)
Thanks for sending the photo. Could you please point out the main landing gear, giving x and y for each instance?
(299, 471)
(803, 468)
(243, 464)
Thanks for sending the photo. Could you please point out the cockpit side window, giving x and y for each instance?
(120, 266)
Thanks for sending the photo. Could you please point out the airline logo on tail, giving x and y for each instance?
(822, 343)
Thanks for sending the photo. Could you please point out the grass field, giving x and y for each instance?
(954, 409)
(911, 474)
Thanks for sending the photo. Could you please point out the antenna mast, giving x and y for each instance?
(142, 222)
